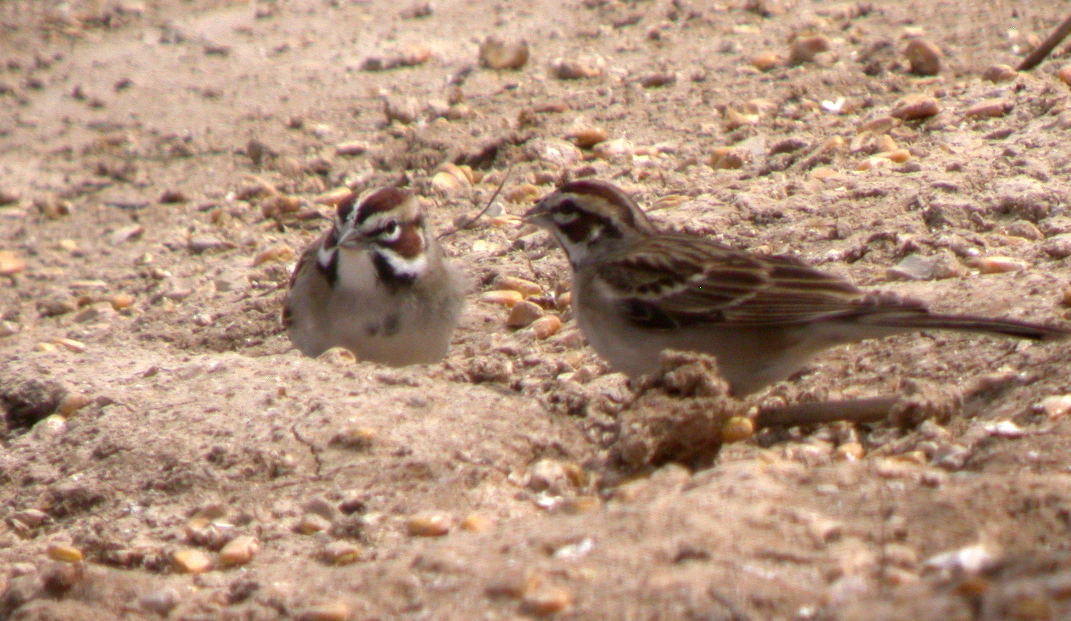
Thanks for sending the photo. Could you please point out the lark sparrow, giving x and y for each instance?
(377, 284)
(638, 291)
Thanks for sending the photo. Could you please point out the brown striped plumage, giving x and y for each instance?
(376, 283)
(638, 291)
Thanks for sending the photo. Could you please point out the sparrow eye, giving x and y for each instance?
(389, 232)
(566, 212)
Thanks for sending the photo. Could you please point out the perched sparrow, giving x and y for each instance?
(638, 291)
(377, 284)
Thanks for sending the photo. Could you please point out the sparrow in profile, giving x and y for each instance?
(377, 284)
(638, 291)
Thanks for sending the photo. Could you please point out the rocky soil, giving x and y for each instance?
(164, 453)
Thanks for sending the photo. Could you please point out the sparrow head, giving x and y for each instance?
(589, 217)
(387, 222)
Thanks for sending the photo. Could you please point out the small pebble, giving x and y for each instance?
(62, 577)
(311, 523)
(125, 234)
(1004, 429)
(1000, 265)
(913, 267)
(545, 601)
(428, 525)
(335, 611)
(445, 182)
(895, 576)
(476, 523)
(849, 451)
(614, 150)
(338, 356)
(280, 253)
(160, 601)
(523, 314)
(7, 328)
(989, 108)
(578, 68)
(726, 158)
(524, 193)
(923, 56)
(191, 561)
(587, 137)
(526, 288)
(11, 263)
(70, 344)
(121, 301)
(73, 402)
(238, 551)
(31, 517)
(51, 426)
(898, 155)
(578, 505)
(766, 61)
(405, 110)
(52, 208)
(333, 197)
(351, 148)
(173, 196)
(340, 553)
(1058, 246)
(1054, 406)
(915, 107)
(971, 559)
(655, 80)
(274, 206)
(737, 429)
(805, 49)
(879, 125)
(1065, 75)
(413, 55)
(355, 438)
(64, 553)
(546, 326)
(504, 298)
(495, 53)
(1000, 73)
(205, 243)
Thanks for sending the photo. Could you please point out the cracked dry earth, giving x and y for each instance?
(166, 454)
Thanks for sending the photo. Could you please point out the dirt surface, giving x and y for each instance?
(162, 162)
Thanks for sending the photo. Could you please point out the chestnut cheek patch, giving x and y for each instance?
(409, 244)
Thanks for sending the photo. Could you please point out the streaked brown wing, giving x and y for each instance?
(669, 280)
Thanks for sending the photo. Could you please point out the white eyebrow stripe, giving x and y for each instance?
(378, 221)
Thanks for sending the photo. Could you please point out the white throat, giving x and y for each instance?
(406, 268)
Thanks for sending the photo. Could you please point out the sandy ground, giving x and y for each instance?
(161, 163)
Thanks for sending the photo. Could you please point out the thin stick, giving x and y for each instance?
(486, 207)
(872, 410)
(1039, 53)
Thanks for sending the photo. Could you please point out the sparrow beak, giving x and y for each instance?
(537, 215)
(349, 239)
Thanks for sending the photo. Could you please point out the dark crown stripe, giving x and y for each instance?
(381, 201)
(345, 207)
(612, 195)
